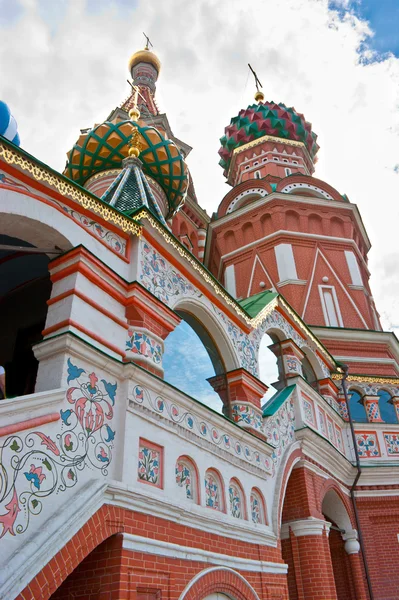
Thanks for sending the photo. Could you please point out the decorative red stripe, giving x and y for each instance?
(29, 424)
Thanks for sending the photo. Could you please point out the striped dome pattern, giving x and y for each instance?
(8, 125)
(105, 146)
(266, 118)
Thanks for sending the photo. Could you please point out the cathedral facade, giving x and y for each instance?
(115, 484)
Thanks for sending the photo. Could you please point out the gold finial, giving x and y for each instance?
(259, 96)
(134, 114)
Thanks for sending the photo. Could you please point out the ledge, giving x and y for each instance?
(137, 543)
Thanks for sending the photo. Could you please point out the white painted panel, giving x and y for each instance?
(230, 280)
(353, 267)
(330, 306)
(285, 262)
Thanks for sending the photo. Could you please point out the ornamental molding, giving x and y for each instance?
(67, 188)
(137, 543)
(368, 379)
(321, 451)
(304, 527)
(32, 403)
(194, 516)
(223, 439)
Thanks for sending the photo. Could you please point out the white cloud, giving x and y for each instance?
(60, 75)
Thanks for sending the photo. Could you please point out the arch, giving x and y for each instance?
(248, 233)
(205, 323)
(335, 506)
(292, 220)
(238, 508)
(283, 475)
(315, 224)
(337, 227)
(214, 490)
(187, 476)
(356, 407)
(258, 507)
(270, 365)
(387, 410)
(314, 362)
(266, 223)
(230, 240)
(105, 523)
(221, 580)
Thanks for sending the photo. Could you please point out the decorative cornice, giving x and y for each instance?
(368, 378)
(194, 515)
(138, 543)
(311, 526)
(65, 187)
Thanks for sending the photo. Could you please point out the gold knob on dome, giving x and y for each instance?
(259, 96)
(134, 152)
(134, 114)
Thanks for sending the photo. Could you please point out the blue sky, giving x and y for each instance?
(383, 19)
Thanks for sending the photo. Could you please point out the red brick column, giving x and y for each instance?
(311, 560)
(352, 548)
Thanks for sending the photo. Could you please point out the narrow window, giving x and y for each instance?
(288, 171)
(353, 267)
(257, 174)
(230, 280)
(330, 306)
(285, 262)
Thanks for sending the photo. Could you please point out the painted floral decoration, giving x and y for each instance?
(212, 492)
(39, 466)
(149, 465)
(184, 478)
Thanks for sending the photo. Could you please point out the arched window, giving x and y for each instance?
(387, 409)
(187, 477)
(214, 493)
(190, 358)
(258, 510)
(257, 175)
(236, 499)
(358, 413)
(308, 372)
(268, 366)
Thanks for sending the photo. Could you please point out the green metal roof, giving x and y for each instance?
(277, 400)
(254, 304)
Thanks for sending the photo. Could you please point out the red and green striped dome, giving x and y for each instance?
(266, 118)
(105, 146)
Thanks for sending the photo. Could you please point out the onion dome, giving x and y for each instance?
(266, 118)
(105, 147)
(8, 125)
(144, 56)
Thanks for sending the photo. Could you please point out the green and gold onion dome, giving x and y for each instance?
(265, 118)
(105, 147)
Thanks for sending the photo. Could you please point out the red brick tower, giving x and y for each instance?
(280, 228)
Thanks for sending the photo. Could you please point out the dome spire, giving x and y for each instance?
(259, 96)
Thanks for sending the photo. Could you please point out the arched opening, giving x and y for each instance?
(356, 407)
(387, 409)
(25, 287)
(97, 575)
(335, 512)
(292, 220)
(270, 366)
(191, 357)
(308, 372)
